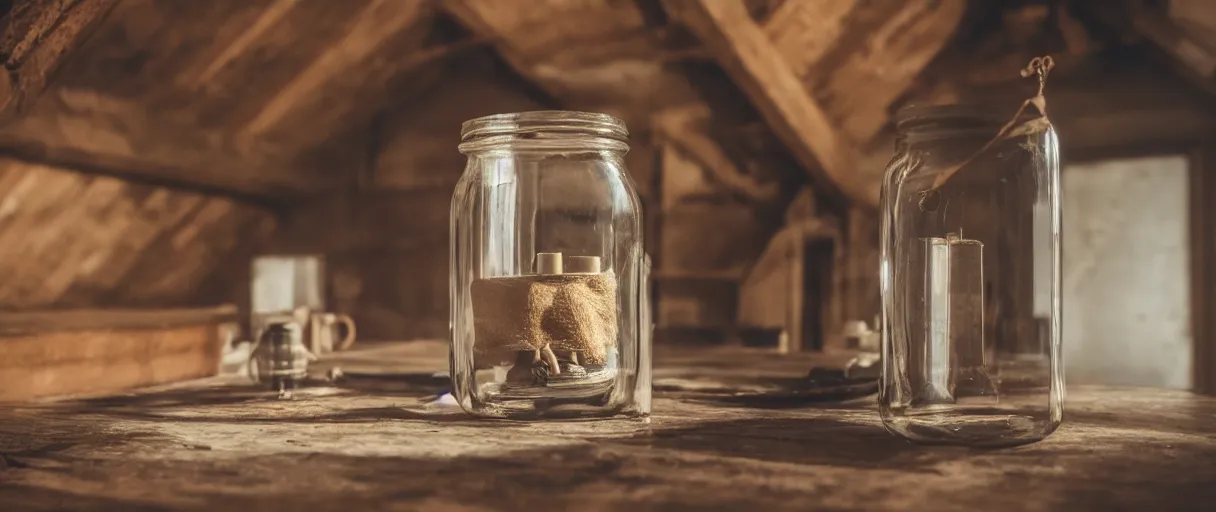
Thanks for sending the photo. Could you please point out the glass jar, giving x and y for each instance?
(970, 276)
(548, 278)
(279, 357)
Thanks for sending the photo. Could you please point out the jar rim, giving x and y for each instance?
(540, 121)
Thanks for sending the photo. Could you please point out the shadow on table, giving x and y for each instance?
(1191, 422)
(27, 497)
(389, 398)
(607, 476)
(551, 478)
(413, 385)
(602, 476)
(670, 464)
(702, 466)
(855, 397)
(235, 391)
(814, 441)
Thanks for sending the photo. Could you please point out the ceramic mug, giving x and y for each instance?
(321, 331)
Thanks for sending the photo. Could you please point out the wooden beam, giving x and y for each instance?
(128, 168)
(1189, 44)
(679, 127)
(264, 22)
(39, 36)
(31, 322)
(862, 242)
(1203, 268)
(858, 57)
(749, 56)
(87, 132)
(372, 52)
(603, 56)
(804, 32)
(889, 55)
(489, 19)
(1187, 47)
(1201, 14)
(1195, 53)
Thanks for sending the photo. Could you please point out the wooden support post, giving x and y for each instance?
(1203, 269)
(747, 54)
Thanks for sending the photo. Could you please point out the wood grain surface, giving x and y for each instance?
(372, 443)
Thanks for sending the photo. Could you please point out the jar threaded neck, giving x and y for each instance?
(553, 128)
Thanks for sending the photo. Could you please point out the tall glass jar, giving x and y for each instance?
(970, 277)
(548, 291)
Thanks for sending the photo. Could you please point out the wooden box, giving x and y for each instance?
(96, 352)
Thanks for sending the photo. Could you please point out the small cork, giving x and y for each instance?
(548, 263)
(582, 265)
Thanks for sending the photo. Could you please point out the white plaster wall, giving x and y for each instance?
(1126, 273)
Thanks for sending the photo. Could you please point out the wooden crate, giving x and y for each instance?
(96, 352)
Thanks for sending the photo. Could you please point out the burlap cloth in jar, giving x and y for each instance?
(572, 312)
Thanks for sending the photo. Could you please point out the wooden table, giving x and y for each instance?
(375, 445)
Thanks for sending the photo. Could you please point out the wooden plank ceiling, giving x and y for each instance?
(245, 97)
(600, 55)
(208, 111)
(71, 240)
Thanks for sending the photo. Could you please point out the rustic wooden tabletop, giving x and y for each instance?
(374, 443)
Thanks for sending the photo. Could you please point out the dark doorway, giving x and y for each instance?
(818, 255)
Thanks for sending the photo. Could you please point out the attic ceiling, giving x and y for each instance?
(73, 240)
(217, 114)
(270, 98)
(228, 95)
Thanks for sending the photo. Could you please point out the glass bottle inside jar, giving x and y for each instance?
(547, 270)
(970, 274)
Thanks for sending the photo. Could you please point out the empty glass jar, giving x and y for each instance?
(548, 278)
(970, 277)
